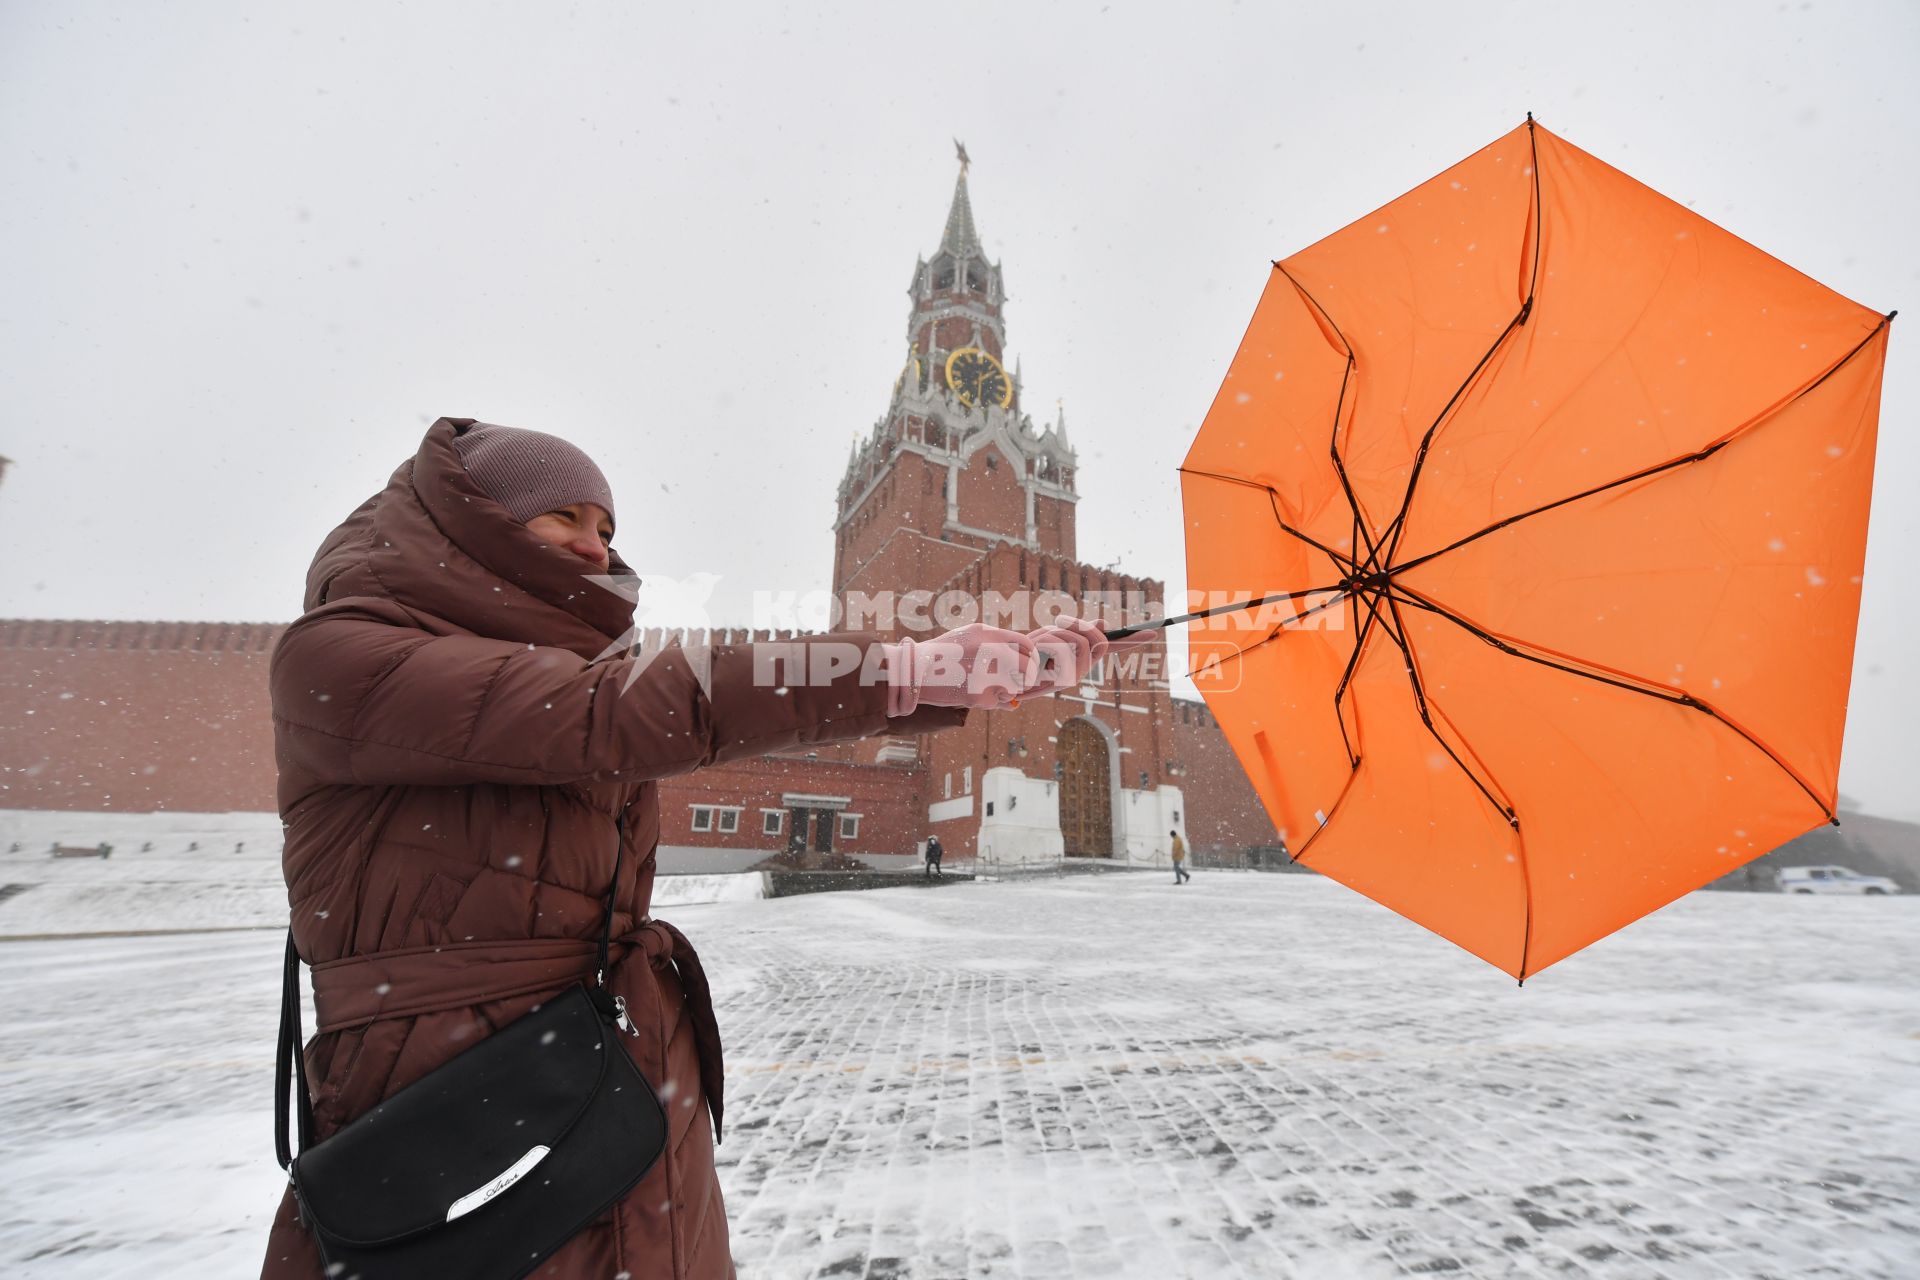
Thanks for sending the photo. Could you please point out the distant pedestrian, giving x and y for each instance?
(1180, 875)
(934, 854)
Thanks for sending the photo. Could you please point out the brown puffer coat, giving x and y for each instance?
(454, 768)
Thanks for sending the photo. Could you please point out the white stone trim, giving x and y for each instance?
(795, 799)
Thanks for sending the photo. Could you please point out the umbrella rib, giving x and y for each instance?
(1506, 810)
(1361, 632)
(1680, 698)
(1394, 530)
(1526, 888)
(1333, 441)
(1504, 802)
(1698, 455)
(1420, 705)
(1273, 500)
(1332, 813)
(1398, 527)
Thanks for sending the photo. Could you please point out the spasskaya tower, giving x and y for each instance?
(955, 466)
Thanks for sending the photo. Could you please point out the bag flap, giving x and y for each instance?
(463, 1133)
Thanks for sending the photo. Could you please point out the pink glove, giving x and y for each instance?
(977, 667)
(1070, 651)
(1067, 653)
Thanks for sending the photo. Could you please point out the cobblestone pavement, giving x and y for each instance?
(1269, 1076)
(1107, 1076)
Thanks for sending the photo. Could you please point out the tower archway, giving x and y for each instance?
(1088, 768)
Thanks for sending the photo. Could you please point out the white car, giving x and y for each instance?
(1832, 880)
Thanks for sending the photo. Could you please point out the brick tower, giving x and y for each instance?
(956, 493)
(955, 466)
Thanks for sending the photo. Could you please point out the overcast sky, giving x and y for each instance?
(248, 252)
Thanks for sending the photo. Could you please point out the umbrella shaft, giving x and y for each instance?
(1120, 633)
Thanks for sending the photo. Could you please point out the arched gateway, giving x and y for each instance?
(1086, 790)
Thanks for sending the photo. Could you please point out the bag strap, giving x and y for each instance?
(287, 1057)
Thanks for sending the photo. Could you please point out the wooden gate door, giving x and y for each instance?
(1086, 795)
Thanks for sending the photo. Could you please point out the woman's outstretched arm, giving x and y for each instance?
(364, 693)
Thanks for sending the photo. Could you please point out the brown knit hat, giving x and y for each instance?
(530, 472)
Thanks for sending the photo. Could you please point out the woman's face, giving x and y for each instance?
(583, 528)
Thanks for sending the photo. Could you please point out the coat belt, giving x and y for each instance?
(357, 990)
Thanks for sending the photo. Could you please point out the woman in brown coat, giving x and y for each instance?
(458, 763)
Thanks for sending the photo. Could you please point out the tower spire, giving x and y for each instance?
(960, 238)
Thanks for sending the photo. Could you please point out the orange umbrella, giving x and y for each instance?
(1555, 494)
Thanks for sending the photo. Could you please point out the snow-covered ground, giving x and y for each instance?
(168, 872)
(1108, 1076)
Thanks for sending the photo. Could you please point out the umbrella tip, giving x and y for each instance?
(1523, 982)
(1890, 314)
(1529, 117)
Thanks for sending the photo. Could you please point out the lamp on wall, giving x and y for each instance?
(1017, 747)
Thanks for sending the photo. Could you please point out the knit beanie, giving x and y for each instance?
(530, 472)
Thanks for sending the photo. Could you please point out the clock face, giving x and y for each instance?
(977, 378)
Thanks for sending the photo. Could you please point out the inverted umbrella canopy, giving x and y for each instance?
(1558, 495)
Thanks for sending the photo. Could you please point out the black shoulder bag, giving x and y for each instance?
(490, 1162)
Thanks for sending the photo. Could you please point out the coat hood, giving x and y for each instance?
(434, 542)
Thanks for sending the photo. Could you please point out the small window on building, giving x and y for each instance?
(702, 818)
(770, 822)
(989, 808)
(949, 786)
(849, 826)
(966, 780)
(729, 820)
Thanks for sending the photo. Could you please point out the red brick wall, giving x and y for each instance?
(991, 496)
(1223, 812)
(1054, 526)
(133, 716)
(888, 799)
(956, 332)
